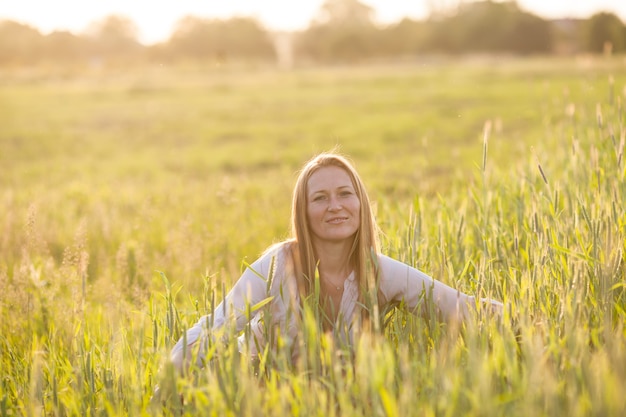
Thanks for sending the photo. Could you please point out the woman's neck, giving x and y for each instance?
(334, 258)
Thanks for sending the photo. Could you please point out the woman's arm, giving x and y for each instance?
(250, 289)
(401, 283)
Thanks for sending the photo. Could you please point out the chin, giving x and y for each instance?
(338, 237)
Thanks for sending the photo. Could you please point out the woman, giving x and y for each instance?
(333, 258)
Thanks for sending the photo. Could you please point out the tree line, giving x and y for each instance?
(342, 31)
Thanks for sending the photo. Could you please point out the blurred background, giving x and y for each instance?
(300, 33)
(139, 136)
(160, 132)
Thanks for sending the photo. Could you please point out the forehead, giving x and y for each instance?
(328, 178)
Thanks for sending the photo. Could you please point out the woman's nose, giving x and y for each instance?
(334, 204)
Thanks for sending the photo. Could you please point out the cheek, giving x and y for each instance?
(311, 214)
(356, 207)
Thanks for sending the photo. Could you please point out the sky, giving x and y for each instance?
(156, 19)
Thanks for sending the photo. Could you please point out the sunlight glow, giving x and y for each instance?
(156, 19)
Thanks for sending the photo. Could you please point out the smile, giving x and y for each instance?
(336, 220)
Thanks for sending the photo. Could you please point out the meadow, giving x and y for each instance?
(131, 199)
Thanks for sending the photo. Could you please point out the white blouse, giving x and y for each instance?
(270, 282)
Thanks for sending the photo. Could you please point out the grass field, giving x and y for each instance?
(130, 199)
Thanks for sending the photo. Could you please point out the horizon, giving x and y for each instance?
(275, 15)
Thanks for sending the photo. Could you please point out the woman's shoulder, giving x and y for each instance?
(276, 264)
(277, 249)
(385, 262)
(274, 255)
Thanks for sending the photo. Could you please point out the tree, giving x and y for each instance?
(63, 46)
(19, 43)
(114, 38)
(489, 26)
(194, 37)
(530, 34)
(605, 29)
(406, 37)
(344, 12)
(342, 31)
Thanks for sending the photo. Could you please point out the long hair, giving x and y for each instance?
(365, 248)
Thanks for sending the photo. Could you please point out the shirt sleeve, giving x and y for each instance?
(400, 282)
(250, 289)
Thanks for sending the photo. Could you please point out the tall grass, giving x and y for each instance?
(87, 323)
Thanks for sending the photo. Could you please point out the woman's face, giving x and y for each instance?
(333, 208)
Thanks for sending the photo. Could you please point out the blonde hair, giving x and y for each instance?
(365, 246)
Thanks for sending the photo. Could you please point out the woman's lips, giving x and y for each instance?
(336, 220)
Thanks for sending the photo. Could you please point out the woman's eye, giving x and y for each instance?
(319, 198)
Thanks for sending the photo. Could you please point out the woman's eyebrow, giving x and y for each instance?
(318, 192)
